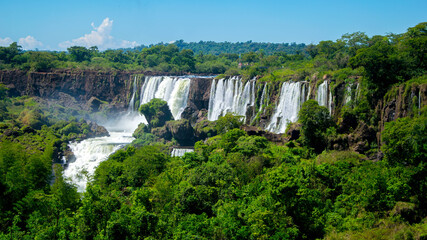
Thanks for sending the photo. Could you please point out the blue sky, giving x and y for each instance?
(55, 25)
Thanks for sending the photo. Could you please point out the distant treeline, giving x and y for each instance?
(217, 48)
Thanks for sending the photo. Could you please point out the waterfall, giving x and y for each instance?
(174, 90)
(263, 97)
(322, 94)
(292, 96)
(90, 153)
(229, 95)
(131, 107)
(179, 152)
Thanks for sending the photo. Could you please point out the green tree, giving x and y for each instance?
(41, 61)
(315, 120)
(79, 54)
(405, 141)
(7, 54)
(157, 112)
(381, 64)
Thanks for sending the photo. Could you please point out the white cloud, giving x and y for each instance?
(5, 42)
(29, 43)
(100, 37)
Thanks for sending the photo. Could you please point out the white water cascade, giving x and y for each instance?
(91, 152)
(179, 152)
(174, 90)
(230, 96)
(292, 96)
(263, 96)
(131, 107)
(324, 97)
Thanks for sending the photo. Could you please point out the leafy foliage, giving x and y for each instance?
(315, 121)
(233, 186)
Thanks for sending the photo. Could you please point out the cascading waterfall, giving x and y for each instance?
(308, 93)
(174, 90)
(91, 152)
(292, 96)
(263, 96)
(230, 96)
(131, 107)
(179, 152)
(322, 94)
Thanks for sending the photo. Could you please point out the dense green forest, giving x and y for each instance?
(218, 48)
(233, 186)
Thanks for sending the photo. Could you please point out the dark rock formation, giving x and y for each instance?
(97, 130)
(198, 99)
(401, 102)
(255, 131)
(181, 131)
(294, 131)
(112, 87)
(359, 141)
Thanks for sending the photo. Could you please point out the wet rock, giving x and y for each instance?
(182, 131)
(97, 130)
(256, 131)
(294, 131)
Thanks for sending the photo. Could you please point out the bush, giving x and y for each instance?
(315, 121)
(405, 141)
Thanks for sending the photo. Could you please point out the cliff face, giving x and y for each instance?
(198, 100)
(91, 89)
(401, 101)
(111, 87)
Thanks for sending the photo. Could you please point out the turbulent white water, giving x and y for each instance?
(91, 152)
(174, 90)
(230, 96)
(179, 152)
(292, 96)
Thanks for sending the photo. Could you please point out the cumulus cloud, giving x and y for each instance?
(5, 42)
(29, 42)
(100, 37)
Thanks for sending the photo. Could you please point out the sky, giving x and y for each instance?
(56, 25)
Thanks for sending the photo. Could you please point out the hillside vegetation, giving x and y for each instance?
(234, 185)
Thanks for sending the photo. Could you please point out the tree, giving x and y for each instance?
(355, 41)
(41, 61)
(414, 43)
(315, 120)
(312, 50)
(381, 63)
(405, 141)
(157, 112)
(8, 53)
(79, 54)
